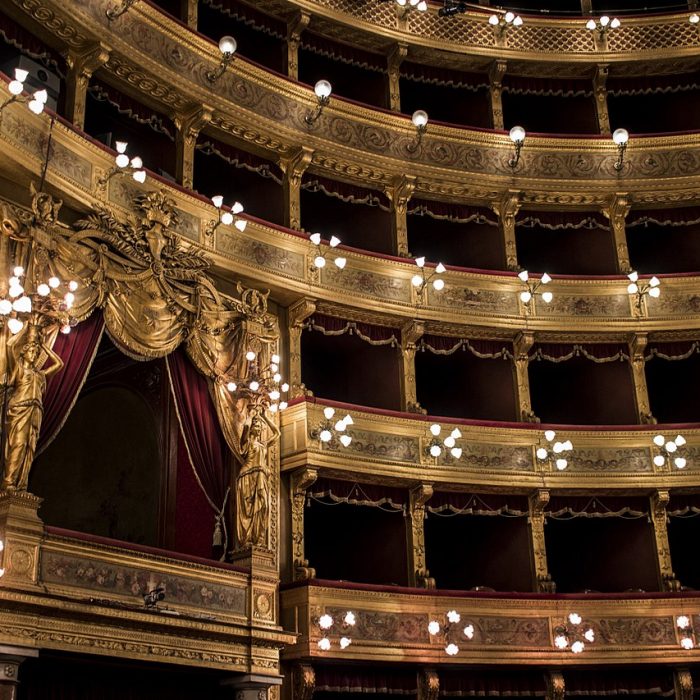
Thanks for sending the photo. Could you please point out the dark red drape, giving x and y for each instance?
(345, 191)
(337, 491)
(334, 325)
(250, 16)
(557, 220)
(343, 52)
(452, 211)
(593, 507)
(452, 502)
(205, 442)
(445, 77)
(488, 683)
(680, 216)
(77, 350)
(356, 679)
(621, 681)
(558, 87)
(16, 35)
(240, 159)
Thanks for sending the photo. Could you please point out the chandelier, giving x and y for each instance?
(639, 289)
(502, 23)
(123, 165)
(573, 634)
(532, 288)
(341, 626)
(554, 452)
(451, 632)
(670, 452)
(421, 281)
(603, 25)
(225, 217)
(448, 444)
(262, 384)
(328, 430)
(320, 257)
(36, 103)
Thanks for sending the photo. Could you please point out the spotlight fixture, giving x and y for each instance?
(602, 25)
(118, 10)
(449, 632)
(533, 286)
(227, 46)
(436, 446)
(261, 383)
(327, 430)
(671, 452)
(50, 298)
(320, 257)
(639, 289)
(517, 136)
(338, 625)
(153, 597)
(421, 281)
(686, 634)
(502, 23)
(620, 138)
(37, 101)
(573, 634)
(225, 217)
(554, 452)
(123, 165)
(420, 121)
(452, 7)
(323, 90)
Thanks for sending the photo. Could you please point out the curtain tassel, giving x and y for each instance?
(218, 537)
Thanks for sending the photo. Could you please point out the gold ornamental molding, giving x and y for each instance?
(392, 626)
(393, 448)
(164, 65)
(377, 288)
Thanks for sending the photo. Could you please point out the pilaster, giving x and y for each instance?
(683, 684)
(10, 660)
(667, 579)
(295, 26)
(253, 686)
(188, 125)
(428, 684)
(637, 346)
(303, 682)
(190, 14)
(21, 531)
(300, 481)
(600, 94)
(294, 164)
(521, 347)
(616, 212)
(418, 574)
(411, 333)
(399, 193)
(507, 208)
(543, 581)
(556, 687)
(496, 73)
(394, 59)
(297, 314)
(81, 65)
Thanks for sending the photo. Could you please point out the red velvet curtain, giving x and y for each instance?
(345, 191)
(336, 491)
(332, 325)
(357, 679)
(240, 159)
(77, 349)
(454, 503)
(250, 16)
(16, 35)
(204, 440)
(565, 507)
(343, 52)
(622, 681)
(488, 683)
(462, 213)
(559, 87)
(444, 77)
(558, 220)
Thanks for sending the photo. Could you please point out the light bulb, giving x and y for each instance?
(72, 285)
(340, 425)
(237, 208)
(217, 200)
(121, 146)
(435, 450)
(420, 261)
(140, 176)
(334, 242)
(578, 646)
(226, 218)
(23, 305)
(325, 435)
(615, 23)
(659, 440)
(517, 134)
(687, 643)
(541, 453)
(679, 440)
(345, 642)
(670, 446)
(557, 447)
(416, 280)
(15, 290)
(561, 642)
(469, 631)
(655, 292)
(324, 644)
(433, 627)
(227, 45)
(36, 106)
(14, 281)
(275, 395)
(440, 268)
(348, 419)
(41, 96)
(659, 460)
(574, 618)
(5, 307)
(435, 429)
(549, 435)
(231, 386)
(136, 163)
(633, 276)
(456, 452)
(419, 118)
(340, 263)
(545, 279)
(122, 160)
(518, 21)
(345, 440)
(449, 441)
(323, 89)
(439, 285)
(315, 238)
(451, 649)
(604, 21)
(254, 386)
(683, 622)
(273, 408)
(21, 75)
(561, 464)
(509, 17)
(453, 616)
(632, 288)
(325, 622)
(319, 261)
(493, 20)
(241, 225)
(680, 462)
(15, 87)
(250, 356)
(328, 412)
(15, 325)
(589, 634)
(349, 618)
(693, 19)
(422, 6)
(285, 387)
(620, 137)
(525, 297)
(456, 434)
(524, 275)
(283, 405)
(547, 297)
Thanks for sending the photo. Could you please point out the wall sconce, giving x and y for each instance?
(554, 452)
(2, 547)
(420, 121)
(685, 632)
(450, 632)
(603, 25)
(421, 281)
(124, 166)
(694, 18)
(118, 10)
(225, 217)
(344, 626)
(502, 23)
(264, 384)
(620, 138)
(323, 90)
(670, 452)
(573, 634)
(36, 103)
(517, 136)
(449, 443)
(407, 5)
(320, 257)
(640, 289)
(327, 429)
(227, 46)
(527, 295)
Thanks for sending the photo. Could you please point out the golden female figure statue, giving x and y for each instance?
(253, 482)
(25, 406)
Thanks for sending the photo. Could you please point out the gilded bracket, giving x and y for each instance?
(616, 212)
(399, 193)
(683, 683)
(556, 687)
(395, 57)
(428, 684)
(507, 208)
(537, 503)
(411, 333)
(188, 125)
(637, 345)
(296, 315)
(294, 164)
(496, 73)
(659, 503)
(601, 97)
(419, 574)
(81, 65)
(295, 27)
(300, 481)
(522, 345)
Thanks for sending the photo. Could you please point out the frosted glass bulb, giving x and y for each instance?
(469, 631)
(452, 649)
(315, 238)
(121, 146)
(422, 6)
(549, 435)
(693, 19)
(345, 440)
(241, 225)
(604, 21)
(456, 434)
(285, 387)
(23, 305)
(590, 24)
(136, 163)
(545, 279)
(620, 137)
(433, 627)
(420, 261)
(671, 446)
(633, 276)
(277, 377)
(334, 242)
(561, 464)
(140, 176)
(237, 208)
(323, 89)
(574, 618)
(680, 462)
(18, 272)
(654, 282)
(655, 292)
(14, 281)
(440, 268)
(493, 20)
(340, 263)
(254, 386)
(453, 616)
(449, 441)
(324, 644)
(227, 45)
(348, 419)
(36, 106)
(250, 356)
(274, 395)
(349, 618)
(679, 440)
(283, 405)
(122, 160)
(568, 445)
(340, 425)
(518, 21)
(632, 288)
(416, 280)
(5, 307)
(231, 386)
(41, 96)
(456, 452)
(328, 412)
(687, 643)
(659, 440)
(439, 285)
(435, 450)
(541, 453)
(547, 297)
(557, 447)
(325, 621)
(15, 325)
(435, 429)
(419, 118)
(578, 646)
(227, 218)
(325, 435)
(345, 642)
(561, 642)
(15, 291)
(525, 297)
(15, 87)
(319, 261)
(517, 134)
(72, 285)
(683, 622)
(509, 17)
(615, 23)
(589, 634)
(659, 460)
(21, 74)
(217, 200)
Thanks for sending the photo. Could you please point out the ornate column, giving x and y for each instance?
(394, 59)
(296, 315)
(21, 531)
(293, 164)
(399, 194)
(189, 13)
(295, 26)
(556, 688)
(637, 345)
(411, 333)
(496, 73)
(303, 682)
(683, 684)
(428, 684)
(600, 94)
(418, 574)
(507, 207)
(10, 661)
(659, 503)
(543, 581)
(188, 125)
(299, 482)
(616, 212)
(521, 347)
(81, 66)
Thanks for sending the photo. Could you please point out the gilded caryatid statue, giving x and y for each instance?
(25, 405)
(253, 491)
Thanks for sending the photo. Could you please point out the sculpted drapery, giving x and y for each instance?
(155, 295)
